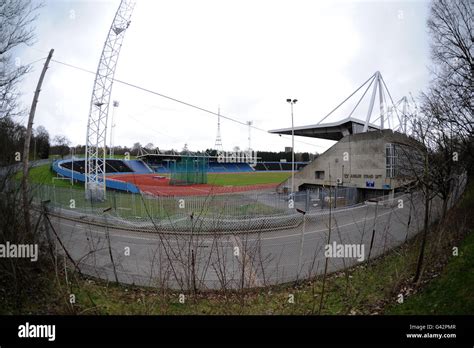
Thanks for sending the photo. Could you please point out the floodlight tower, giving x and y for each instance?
(249, 123)
(218, 144)
(99, 107)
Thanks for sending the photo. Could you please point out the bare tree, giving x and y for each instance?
(62, 144)
(16, 21)
(445, 124)
(451, 25)
(149, 146)
(41, 143)
(450, 97)
(136, 148)
(12, 138)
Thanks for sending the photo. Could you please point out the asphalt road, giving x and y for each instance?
(237, 260)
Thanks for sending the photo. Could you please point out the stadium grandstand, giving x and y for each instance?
(112, 166)
(163, 162)
(278, 166)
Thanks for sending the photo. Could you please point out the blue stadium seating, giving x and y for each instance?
(229, 168)
(214, 167)
(278, 166)
(139, 167)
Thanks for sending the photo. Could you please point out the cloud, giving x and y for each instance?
(246, 56)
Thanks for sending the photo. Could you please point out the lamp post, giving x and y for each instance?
(292, 102)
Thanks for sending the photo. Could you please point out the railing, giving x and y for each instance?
(248, 211)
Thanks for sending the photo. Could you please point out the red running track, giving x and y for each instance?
(158, 185)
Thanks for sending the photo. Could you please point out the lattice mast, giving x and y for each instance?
(100, 100)
(218, 144)
(249, 124)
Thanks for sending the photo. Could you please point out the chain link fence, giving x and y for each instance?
(248, 211)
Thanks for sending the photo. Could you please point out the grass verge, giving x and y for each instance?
(44, 175)
(451, 293)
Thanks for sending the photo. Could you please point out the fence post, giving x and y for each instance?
(44, 211)
(373, 232)
(307, 200)
(54, 194)
(300, 258)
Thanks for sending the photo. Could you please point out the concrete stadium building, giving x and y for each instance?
(369, 161)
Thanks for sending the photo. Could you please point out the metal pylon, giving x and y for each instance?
(100, 100)
(218, 144)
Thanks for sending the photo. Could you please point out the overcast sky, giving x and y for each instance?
(246, 56)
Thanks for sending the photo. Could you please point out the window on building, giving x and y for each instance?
(319, 174)
(390, 160)
(403, 161)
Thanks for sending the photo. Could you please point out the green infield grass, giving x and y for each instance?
(240, 179)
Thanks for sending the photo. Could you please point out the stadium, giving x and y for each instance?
(179, 175)
(273, 160)
(197, 221)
